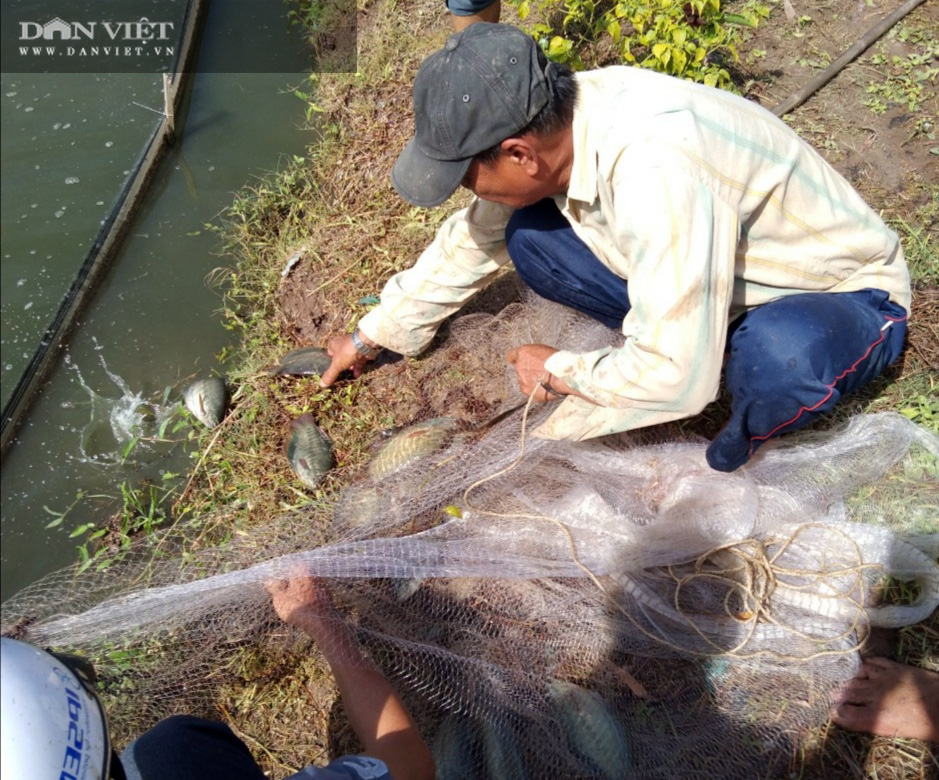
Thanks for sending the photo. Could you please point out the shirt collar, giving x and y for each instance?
(583, 182)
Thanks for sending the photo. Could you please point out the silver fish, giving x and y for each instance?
(594, 732)
(411, 444)
(405, 588)
(307, 361)
(501, 750)
(309, 451)
(207, 399)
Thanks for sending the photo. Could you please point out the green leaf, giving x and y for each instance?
(738, 19)
(614, 30)
(559, 47)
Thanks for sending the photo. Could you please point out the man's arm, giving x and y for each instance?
(376, 713)
(466, 254)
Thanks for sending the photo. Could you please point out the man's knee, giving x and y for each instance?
(816, 337)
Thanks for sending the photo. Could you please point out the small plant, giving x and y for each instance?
(694, 40)
(907, 81)
(144, 509)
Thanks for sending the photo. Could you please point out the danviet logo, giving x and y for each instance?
(61, 44)
(57, 29)
(90, 39)
(160, 36)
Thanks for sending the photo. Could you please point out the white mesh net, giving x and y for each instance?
(611, 608)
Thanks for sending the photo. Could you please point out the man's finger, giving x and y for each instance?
(330, 374)
(512, 355)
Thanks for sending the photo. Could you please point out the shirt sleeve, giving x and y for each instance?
(676, 245)
(346, 768)
(467, 252)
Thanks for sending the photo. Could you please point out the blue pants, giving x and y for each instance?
(791, 360)
(467, 7)
(186, 748)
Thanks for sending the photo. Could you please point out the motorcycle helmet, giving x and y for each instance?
(53, 725)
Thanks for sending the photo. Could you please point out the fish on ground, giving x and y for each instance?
(411, 444)
(306, 361)
(309, 451)
(207, 400)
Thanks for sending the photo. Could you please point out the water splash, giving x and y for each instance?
(122, 427)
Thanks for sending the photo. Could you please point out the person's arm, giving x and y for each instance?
(376, 713)
(677, 243)
(466, 254)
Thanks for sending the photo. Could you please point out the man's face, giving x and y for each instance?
(505, 180)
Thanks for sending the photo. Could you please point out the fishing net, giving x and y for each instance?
(604, 609)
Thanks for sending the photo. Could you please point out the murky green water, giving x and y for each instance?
(153, 324)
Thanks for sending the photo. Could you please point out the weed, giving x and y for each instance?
(906, 81)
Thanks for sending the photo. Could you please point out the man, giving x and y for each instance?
(50, 710)
(690, 218)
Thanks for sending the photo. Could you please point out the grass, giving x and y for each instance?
(335, 209)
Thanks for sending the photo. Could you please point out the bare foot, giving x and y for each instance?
(891, 700)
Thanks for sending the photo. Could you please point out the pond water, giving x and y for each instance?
(68, 143)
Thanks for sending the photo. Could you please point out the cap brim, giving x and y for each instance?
(426, 182)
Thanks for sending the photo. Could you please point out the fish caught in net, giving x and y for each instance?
(603, 609)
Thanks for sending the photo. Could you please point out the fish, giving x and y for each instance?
(594, 732)
(500, 747)
(309, 451)
(207, 400)
(358, 506)
(145, 413)
(306, 361)
(410, 444)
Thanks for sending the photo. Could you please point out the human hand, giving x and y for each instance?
(345, 356)
(300, 599)
(529, 360)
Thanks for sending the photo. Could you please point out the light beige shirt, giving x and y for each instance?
(705, 203)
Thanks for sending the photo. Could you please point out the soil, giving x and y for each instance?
(882, 155)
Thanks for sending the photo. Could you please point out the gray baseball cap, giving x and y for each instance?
(484, 85)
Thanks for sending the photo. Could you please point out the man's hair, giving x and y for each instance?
(556, 115)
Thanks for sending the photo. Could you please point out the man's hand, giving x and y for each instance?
(529, 360)
(345, 356)
(299, 600)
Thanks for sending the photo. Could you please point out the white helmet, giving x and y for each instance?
(52, 722)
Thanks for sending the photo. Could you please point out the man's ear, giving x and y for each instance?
(521, 151)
